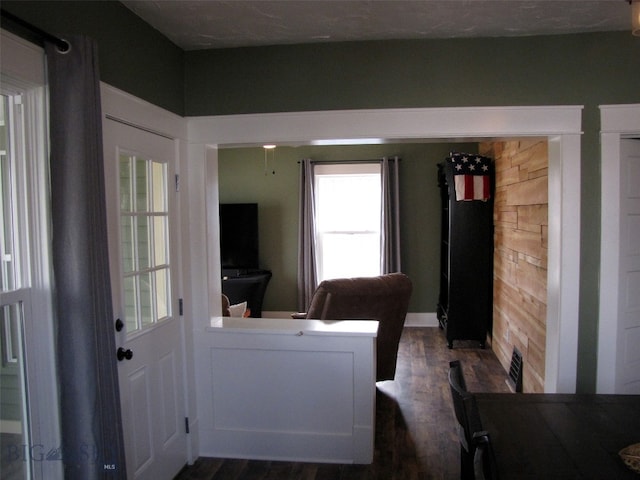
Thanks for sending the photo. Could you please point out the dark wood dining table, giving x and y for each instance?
(560, 436)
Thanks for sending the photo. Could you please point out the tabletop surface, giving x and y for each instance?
(555, 436)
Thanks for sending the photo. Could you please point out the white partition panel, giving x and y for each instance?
(285, 389)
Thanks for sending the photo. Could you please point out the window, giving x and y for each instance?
(15, 290)
(144, 230)
(9, 142)
(29, 411)
(348, 219)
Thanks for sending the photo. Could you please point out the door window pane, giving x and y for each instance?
(162, 289)
(141, 185)
(160, 240)
(131, 303)
(159, 187)
(126, 185)
(127, 243)
(146, 299)
(144, 241)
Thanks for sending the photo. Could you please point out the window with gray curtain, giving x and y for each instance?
(335, 203)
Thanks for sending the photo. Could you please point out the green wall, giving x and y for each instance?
(583, 69)
(133, 56)
(588, 69)
(242, 179)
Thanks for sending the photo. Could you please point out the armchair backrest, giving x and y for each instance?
(384, 298)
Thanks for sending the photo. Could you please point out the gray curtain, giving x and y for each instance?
(92, 445)
(307, 273)
(390, 258)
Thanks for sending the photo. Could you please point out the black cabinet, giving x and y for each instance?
(465, 302)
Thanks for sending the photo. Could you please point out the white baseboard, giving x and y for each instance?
(420, 319)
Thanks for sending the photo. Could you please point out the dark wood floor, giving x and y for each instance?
(415, 429)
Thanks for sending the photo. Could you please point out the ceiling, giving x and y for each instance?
(202, 24)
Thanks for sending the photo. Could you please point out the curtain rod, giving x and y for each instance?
(375, 160)
(62, 45)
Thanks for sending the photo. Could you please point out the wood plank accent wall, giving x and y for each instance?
(520, 255)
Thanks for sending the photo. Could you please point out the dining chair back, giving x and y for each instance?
(467, 417)
(484, 460)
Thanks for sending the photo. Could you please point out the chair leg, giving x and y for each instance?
(466, 464)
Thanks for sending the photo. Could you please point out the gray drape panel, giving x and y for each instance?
(307, 274)
(390, 257)
(92, 445)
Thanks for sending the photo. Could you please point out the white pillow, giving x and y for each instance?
(238, 309)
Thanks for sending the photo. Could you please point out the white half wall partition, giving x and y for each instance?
(560, 124)
(283, 389)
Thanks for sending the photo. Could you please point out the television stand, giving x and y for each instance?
(246, 286)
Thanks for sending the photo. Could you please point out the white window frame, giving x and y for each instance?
(343, 169)
(23, 73)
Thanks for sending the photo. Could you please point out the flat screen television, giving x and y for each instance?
(239, 236)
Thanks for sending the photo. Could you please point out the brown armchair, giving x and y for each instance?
(384, 298)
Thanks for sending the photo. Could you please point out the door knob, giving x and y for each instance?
(122, 354)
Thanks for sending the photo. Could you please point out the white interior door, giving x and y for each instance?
(141, 199)
(628, 353)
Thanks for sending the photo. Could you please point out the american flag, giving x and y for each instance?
(471, 176)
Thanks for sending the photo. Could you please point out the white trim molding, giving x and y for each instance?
(384, 125)
(560, 124)
(22, 60)
(123, 107)
(617, 122)
(620, 119)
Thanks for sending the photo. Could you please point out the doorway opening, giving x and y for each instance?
(560, 125)
(619, 321)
